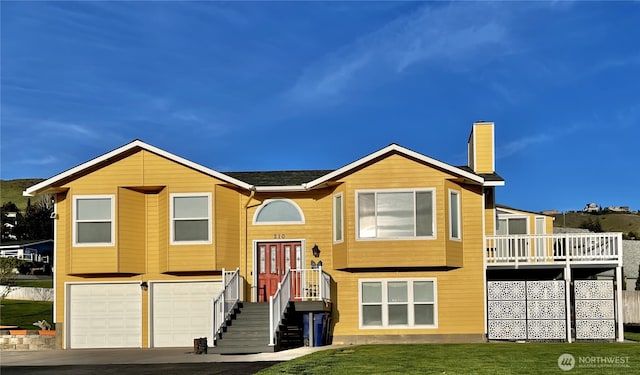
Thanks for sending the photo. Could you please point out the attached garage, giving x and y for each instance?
(104, 315)
(182, 311)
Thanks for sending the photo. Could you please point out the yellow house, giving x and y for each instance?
(153, 250)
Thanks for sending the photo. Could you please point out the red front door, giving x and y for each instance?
(274, 260)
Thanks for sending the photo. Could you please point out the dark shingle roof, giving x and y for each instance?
(487, 176)
(278, 178)
(293, 178)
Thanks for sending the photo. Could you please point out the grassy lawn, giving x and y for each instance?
(489, 358)
(635, 336)
(25, 313)
(35, 283)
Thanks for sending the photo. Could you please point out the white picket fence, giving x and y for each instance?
(631, 303)
(28, 293)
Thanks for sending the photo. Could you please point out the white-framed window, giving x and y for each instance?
(338, 219)
(398, 303)
(396, 214)
(190, 218)
(93, 220)
(278, 211)
(455, 227)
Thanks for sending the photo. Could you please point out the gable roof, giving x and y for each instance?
(268, 181)
(394, 148)
(49, 184)
(511, 210)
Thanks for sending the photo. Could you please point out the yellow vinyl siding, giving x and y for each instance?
(132, 231)
(137, 182)
(62, 264)
(483, 148)
(396, 172)
(489, 211)
(142, 183)
(339, 253)
(227, 208)
(460, 303)
(454, 247)
(316, 206)
(162, 231)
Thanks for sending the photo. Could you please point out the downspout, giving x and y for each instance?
(246, 230)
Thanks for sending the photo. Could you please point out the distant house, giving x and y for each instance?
(550, 212)
(10, 220)
(40, 251)
(618, 209)
(591, 207)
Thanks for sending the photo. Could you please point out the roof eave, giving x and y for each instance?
(391, 148)
(47, 184)
(278, 189)
(493, 183)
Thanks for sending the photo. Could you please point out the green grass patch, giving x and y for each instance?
(35, 283)
(11, 191)
(24, 313)
(635, 336)
(610, 222)
(488, 358)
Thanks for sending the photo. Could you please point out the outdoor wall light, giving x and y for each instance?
(144, 286)
(315, 250)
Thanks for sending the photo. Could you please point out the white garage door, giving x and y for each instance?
(105, 316)
(182, 312)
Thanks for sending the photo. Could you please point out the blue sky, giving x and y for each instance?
(239, 86)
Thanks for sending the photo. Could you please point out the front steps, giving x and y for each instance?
(247, 332)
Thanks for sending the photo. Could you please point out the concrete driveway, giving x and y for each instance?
(141, 361)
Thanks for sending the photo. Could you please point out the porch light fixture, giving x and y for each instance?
(315, 250)
(144, 286)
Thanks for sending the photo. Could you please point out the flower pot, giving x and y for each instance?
(17, 331)
(43, 332)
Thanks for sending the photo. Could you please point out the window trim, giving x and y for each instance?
(74, 229)
(335, 214)
(172, 240)
(408, 190)
(508, 217)
(410, 304)
(267, 201)
(453, 192)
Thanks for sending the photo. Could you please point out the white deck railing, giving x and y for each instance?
(28, 254)
(226, 301)
(565, 248)
(297, 285)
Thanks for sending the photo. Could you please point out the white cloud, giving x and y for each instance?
(45, 160)
(70, 129)
(459, 35)
(520, 144)
(525, 142)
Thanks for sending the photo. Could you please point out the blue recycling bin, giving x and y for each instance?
(318, 329)
(305, 329)
(319, 323)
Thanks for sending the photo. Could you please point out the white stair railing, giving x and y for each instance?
(226, 301)
(297, 285)
(277, 306)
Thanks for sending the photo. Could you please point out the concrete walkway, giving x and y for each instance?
(140, 356)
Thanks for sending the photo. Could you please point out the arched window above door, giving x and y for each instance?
(278, 211)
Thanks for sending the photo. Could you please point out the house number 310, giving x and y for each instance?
(279, 236)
